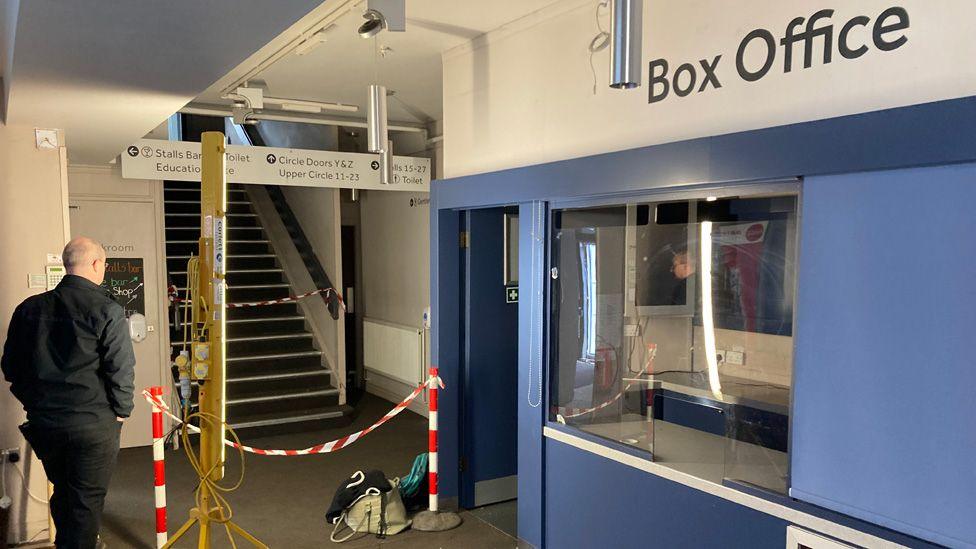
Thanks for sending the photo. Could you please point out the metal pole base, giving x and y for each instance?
(206, 523)
(435, 521)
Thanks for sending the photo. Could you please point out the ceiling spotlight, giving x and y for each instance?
(389, 15)
(375, 22)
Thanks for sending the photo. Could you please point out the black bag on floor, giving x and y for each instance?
(351, 489)
(367, 503)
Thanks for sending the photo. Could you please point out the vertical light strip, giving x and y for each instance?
(221, 268)
(708, 319)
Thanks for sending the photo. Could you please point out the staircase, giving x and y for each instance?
(276, 376)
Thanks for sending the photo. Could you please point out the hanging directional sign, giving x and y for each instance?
(180, 161)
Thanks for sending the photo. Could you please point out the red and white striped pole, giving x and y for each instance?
(432, 438)
(159, 468)
(433, 520)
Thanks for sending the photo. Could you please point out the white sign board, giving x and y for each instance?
(180, 161)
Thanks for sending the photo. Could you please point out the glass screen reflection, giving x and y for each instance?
(672, 331)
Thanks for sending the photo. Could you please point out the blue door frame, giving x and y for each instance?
(928, 134)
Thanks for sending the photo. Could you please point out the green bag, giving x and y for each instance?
(375, 512)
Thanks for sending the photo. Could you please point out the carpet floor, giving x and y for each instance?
(283, 499)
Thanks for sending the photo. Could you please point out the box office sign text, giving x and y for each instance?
(805, 41)
(180, 161)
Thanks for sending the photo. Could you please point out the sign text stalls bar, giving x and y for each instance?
(180, 161)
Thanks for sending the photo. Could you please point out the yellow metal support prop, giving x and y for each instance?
(208, 357)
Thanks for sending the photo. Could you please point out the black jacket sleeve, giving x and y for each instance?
(118, 362)
(11, 362)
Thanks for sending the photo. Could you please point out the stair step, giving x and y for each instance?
(283, 403)
(198, 215)
(268, 363)
(281, 396)
(276, 310)
(267, 420)
(264, 319)
(247, 286)
(265, 344)
(271, 337)
(285, 375)
(237, 271)
(230, 256)
(193, 232)
(197, 228)
(275, 356)
(234, 247)
(193, 206)
(192, 220)
(263, 386)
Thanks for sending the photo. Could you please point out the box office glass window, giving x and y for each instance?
(672, 331)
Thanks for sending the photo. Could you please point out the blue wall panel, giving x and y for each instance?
(446, 342)
(592, 502)
(922, 135)
(883, 424)
(932, 133)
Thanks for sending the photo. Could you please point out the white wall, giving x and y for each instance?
(318, 212)
(126, 216)
(523, 94)
(396, 256)
(396, 271)
(33, 223)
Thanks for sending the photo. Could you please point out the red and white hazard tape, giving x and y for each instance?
(289, 299)
(323, 448)
(569, 413)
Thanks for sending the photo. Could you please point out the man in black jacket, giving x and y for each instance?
(70, 362)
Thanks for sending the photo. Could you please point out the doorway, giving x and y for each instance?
(489, 361)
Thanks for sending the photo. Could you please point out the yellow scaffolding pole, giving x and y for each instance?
(208, 358)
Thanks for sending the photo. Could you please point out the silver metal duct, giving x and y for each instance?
(626, 23)
(376, 128)
(386, 164)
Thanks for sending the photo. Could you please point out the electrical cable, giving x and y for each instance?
(212, 488)
(600, 41)
(538, 243)
(216, 491)
(23, 479)
(34, 537)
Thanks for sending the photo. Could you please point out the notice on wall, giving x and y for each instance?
(180, 161)
(125, 282)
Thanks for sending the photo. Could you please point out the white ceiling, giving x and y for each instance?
(108, 72)
(340, 69)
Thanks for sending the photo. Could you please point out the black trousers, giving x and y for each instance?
(79, 462)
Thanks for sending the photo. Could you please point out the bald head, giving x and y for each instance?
(85, 257)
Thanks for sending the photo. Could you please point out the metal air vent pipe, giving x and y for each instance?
(626, 23)
(376, 123)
